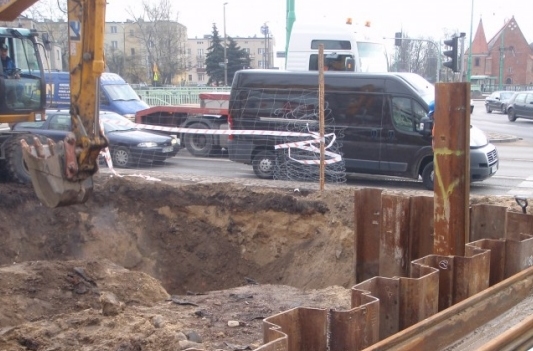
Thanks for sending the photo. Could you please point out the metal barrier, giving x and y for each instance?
(427, 304)
(170, 96)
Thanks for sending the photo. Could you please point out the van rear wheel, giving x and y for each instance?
(263, 164)
(428, 176)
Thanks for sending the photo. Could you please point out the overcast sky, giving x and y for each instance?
(416, 17)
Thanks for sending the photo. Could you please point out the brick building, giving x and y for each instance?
(506, 57)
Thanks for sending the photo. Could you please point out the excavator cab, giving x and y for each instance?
(22, 88)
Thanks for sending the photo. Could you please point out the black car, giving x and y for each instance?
(128, 145)
(520, 106)
(497, 101)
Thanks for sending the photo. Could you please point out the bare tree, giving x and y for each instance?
(50, 17)
(417, 55)
(163, 41)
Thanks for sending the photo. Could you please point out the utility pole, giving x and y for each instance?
(225, 50)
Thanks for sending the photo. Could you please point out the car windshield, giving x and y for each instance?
(121, 92)
(109, 127)
(38, 124)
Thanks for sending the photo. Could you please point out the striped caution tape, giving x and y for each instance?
(308, 145)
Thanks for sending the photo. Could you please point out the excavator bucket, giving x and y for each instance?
(50, 166)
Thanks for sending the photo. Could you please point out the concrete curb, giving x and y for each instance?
(502, 138)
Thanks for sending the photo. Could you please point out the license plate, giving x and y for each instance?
(168, 149)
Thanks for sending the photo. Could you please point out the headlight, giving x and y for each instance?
(38, 117)
(147, 144)
(130, 116)
(174, 141)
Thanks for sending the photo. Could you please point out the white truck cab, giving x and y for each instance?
(346, 48)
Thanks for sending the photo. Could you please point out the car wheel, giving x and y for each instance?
(488, 109)
(263, 164)
(511, 115)
(428, 176)
(121, 157)
(198, 144)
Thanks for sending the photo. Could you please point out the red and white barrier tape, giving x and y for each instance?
(304, 145)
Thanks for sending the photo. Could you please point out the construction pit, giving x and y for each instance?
(195, 264)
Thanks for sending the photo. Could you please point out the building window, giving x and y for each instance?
(261, 51)
(114, 44)
(189, 52)
(510, 70)
(200, 43)
(260, 64)
(200, 77)
(190, 77)
(200, 52)
(132, 32)
(132, 52)
(247, 50)
(114, 29)
(476, 63)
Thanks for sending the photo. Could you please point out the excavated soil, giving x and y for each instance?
(170, 265)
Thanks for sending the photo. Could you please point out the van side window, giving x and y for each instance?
(406, 113)
(357, 109)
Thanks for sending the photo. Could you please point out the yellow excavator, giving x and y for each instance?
(62, 173)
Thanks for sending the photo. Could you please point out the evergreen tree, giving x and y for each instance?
(237, 59)
(214, 60)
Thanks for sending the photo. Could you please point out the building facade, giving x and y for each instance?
(260, 49)
(136, 50)
(505, 59)
(147, 52)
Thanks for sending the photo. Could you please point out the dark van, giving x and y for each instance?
(375, 117)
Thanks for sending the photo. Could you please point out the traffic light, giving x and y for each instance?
(453, 54)
(398, 39)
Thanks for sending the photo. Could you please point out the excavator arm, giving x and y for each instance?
(62, 173)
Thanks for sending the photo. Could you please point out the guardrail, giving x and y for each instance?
(176, 96)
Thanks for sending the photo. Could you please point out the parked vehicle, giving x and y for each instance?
(346, 48)
(128, 146)
(376, 113)
(116, 94)
(211, 113)
(498, 101)
(520, 106)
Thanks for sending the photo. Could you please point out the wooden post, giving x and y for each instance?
(452, 168)
(321, 112)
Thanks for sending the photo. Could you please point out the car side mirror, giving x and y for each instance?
(425, 126)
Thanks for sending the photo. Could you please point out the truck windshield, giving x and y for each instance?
(373, 57)
(121, 92)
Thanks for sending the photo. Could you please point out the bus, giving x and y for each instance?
(352, 48)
